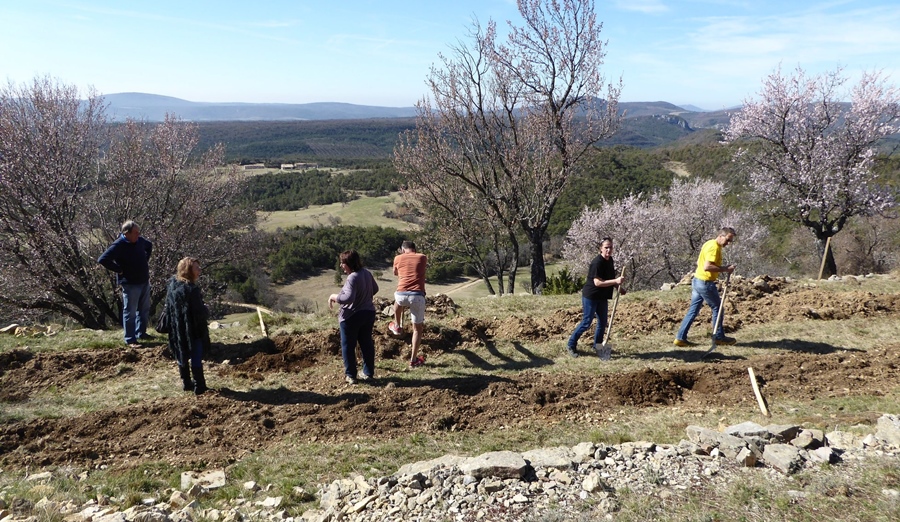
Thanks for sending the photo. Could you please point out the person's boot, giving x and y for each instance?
(185, 372)
(200, 385)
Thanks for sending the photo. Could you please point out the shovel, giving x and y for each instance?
(718, 317)
(605, 350)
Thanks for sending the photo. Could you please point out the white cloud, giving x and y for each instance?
(642, 6)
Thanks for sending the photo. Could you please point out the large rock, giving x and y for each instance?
(747, 429)
(809, 439)
(843, 440)
(783, 457)
(559, 457)
(503, 464)
(783, 432)
(210, 479)
(887, 429)
(425, 466)
(728, 445)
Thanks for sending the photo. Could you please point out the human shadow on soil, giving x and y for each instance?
(238, 352)
(470, 385)
(695, 354)
(800, 346)
(282, 396)
(507, 363)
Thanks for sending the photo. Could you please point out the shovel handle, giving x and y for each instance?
(613, 313)
(721, 307)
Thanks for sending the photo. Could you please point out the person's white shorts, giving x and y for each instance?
(416, 304)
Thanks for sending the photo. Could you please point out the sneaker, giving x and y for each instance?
(728, 341)
(394, 329)
(365, 377)
(350, 380)
(133, 345)
(418, 361)
(572, 351)
(683, 343)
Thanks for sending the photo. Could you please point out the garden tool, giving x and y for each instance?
(604, 350)
(719, 316)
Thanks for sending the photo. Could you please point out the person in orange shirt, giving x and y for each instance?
(409, 267)
(703, 287)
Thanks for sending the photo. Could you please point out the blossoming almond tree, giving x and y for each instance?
(810, 155)
(658, 237)
(69, 178)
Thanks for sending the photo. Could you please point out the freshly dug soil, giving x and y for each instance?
(225, 425)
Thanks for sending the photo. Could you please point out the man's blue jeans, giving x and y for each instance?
(358, 328)
(701, 291)
(135, 311)
(592, 308)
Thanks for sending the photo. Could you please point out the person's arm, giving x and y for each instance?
(199, 311)
(347, 292)
(600, 283)
(712, 267)
(109, 259)
(149, 248)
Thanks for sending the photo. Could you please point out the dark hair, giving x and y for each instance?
(408, 245)
(604, 240)
(727, 230)
(351, 259)
(127, 226)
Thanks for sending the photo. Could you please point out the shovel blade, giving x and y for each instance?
(711, 350)
(604, 351)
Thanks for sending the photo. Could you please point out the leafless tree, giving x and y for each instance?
(511, 121)
(467, 232)
(69, 179)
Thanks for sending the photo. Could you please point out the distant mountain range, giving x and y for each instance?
(153, 107)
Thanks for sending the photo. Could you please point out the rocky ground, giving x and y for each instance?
(223, 426)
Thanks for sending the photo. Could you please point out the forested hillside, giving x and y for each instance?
(334, 141)
(343, 141)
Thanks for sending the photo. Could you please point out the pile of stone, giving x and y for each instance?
(566, 481)
(505, 485)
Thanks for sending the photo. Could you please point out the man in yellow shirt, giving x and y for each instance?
(703, 287)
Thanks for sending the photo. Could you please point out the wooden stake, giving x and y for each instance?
(262, 324)
(759, 397)
(824, 257)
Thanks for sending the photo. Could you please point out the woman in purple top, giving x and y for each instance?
(356, 316)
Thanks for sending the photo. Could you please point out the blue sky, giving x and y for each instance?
(710, 53)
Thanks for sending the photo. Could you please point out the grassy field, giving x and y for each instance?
(312, 293)
(364, 212)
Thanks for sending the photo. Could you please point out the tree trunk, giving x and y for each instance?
(511, 280)
(538, 271)
(830, 265)
(487, 283)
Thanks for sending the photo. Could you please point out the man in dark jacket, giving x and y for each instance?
(129, 258)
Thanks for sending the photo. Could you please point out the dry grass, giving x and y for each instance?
(831, 493)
